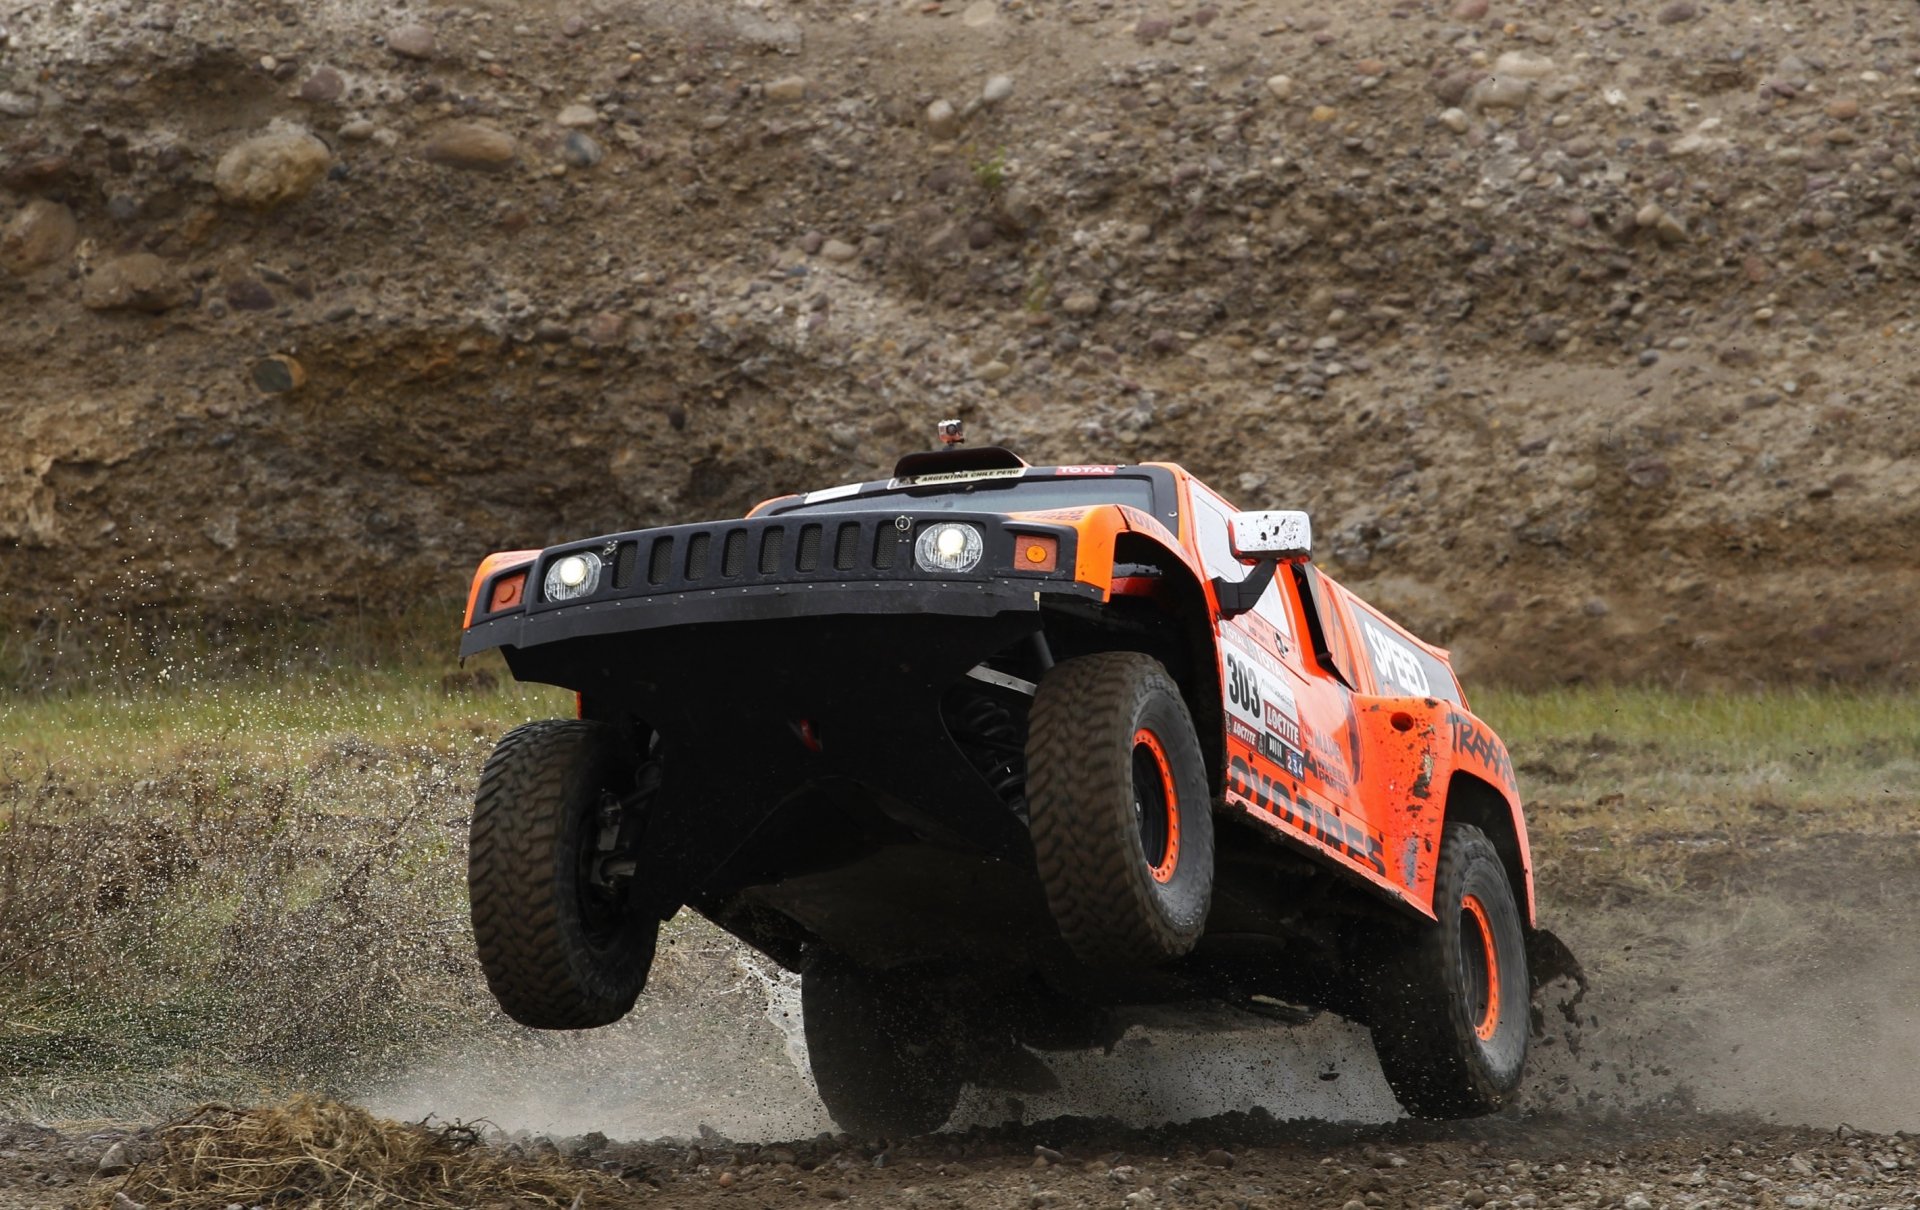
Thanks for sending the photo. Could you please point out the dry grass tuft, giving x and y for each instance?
(323, 1152)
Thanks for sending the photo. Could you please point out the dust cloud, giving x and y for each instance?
(1783, 984)
(731, 1058)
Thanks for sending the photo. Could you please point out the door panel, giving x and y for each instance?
(1292, 742)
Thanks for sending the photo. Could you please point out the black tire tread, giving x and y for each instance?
(1420, 1031)
(1102, 905)
(532, 964)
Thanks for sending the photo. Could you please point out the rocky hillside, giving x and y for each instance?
(1586, 332)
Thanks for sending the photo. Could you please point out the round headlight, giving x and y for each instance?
(577, 575)
(948, 546)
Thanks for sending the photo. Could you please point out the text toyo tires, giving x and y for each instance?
(559, 950)
(1121, 818)
(1451, 1007)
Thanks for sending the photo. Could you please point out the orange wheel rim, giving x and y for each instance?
(1473, 913)
(1158, 810)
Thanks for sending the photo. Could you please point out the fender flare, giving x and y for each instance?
(1430, 761)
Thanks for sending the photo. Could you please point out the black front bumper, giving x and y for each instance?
(764, 603)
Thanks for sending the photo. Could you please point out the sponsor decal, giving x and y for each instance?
(1281, 717)
(1013, 472)
(1239, 729)
(1472, 739)
(1054, 514)
(1277, 798)
(1327, 764)
(1395, 665)
(1291, 759)
(1245, 646)
(1085, 470)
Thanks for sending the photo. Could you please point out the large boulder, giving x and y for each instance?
(272, 169)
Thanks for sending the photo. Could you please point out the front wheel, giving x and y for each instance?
(1450, 1009)
(1121, 819)
(561, 943)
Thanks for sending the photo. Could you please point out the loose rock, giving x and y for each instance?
(581, 150)
(997, 89)
(324, 86)
(413, 41)
(115, 1161)
(140, 281)
(942, 122)
(789, 90)
(278, 374)
(472, 147)
(41, 233)
(271, 169)
(578, 117)
(1679, 12)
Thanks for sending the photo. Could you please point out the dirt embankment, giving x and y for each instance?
(1585, 334)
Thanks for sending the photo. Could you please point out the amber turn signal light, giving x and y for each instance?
(1035, 552)
(507, 591)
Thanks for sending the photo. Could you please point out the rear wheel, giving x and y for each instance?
(560, 941)
(882, 1058)
(1450, 1010)
(1121, 821)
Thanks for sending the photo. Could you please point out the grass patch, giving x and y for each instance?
(1644, 792)
(312, 1150)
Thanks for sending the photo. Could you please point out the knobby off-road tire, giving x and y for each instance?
(1121, 821)
(558, 952)
(1451, 1007)
(884, 1060)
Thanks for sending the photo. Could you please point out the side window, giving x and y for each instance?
(1325, 632)
(1400, 667)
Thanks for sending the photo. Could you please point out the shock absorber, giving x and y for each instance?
(994, 742)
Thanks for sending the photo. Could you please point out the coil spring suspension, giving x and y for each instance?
(996, 744)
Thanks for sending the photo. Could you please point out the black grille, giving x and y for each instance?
(699, 550)
(773, 544)
(760, 554)
(846, 546)
(733, 558)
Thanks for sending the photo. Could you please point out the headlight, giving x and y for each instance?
(577, 575)
(948, 546)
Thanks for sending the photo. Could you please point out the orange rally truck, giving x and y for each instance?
(990, 753)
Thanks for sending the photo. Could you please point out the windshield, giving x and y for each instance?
(1023, 495)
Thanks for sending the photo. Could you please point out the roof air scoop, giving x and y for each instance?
(955, 456)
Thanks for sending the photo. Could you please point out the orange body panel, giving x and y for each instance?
(488, 566)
